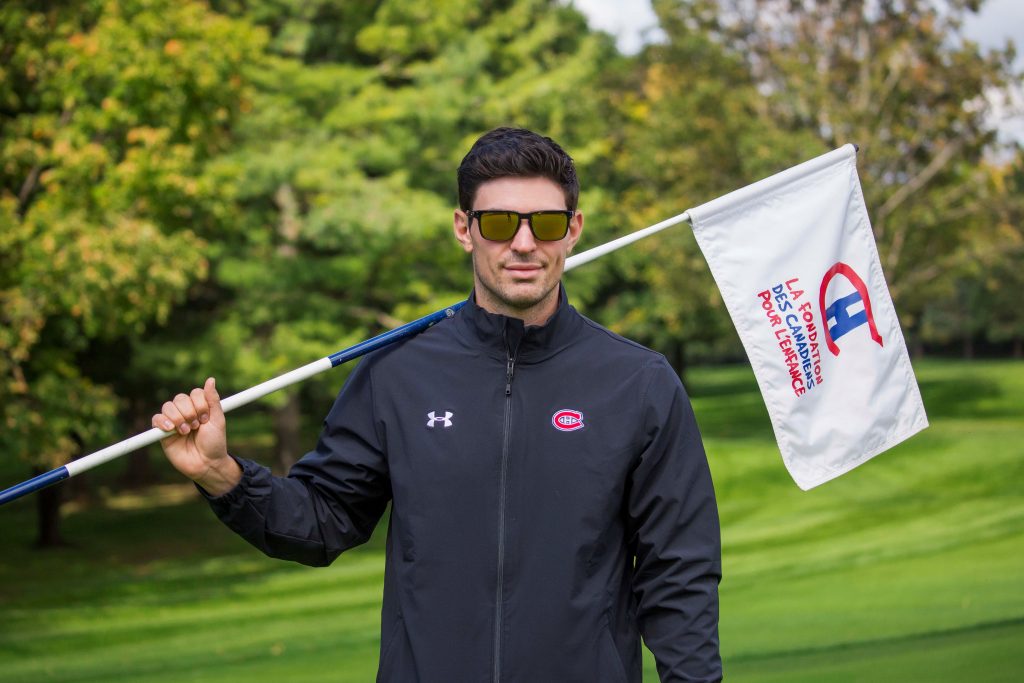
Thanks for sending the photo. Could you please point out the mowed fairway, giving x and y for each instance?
(910, 568)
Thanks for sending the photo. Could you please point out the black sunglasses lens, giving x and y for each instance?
(550, 226)
(498, 225)
(547, 226)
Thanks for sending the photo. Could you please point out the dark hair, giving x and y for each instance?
(516, 152)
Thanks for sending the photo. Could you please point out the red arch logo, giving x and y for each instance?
(838, 310)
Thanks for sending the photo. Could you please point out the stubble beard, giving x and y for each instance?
(506, 296)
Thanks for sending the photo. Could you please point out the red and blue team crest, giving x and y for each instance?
(567, 420)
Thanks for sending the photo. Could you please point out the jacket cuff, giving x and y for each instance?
(234, 498)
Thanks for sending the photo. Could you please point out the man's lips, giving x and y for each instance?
(523, 268)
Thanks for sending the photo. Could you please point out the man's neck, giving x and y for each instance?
(535, 315)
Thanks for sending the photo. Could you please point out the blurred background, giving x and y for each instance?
(238, 187)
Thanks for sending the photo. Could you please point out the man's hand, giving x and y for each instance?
(199, 448)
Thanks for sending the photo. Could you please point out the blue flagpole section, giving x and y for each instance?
(34, 484)
(406, 330)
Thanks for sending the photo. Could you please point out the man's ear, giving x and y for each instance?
(575, 230)
(461, 228)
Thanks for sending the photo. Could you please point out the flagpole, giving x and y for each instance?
(238, 400)
(251, 394)
(608, 247)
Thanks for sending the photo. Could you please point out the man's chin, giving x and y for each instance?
(519, 295)
(523, 297)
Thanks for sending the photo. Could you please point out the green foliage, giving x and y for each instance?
(740, 90)
(341, 179)
(901, 81)
(113, 108)
(982, 293)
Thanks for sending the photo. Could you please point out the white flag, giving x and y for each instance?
(795, 259)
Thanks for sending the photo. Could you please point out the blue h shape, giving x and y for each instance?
(844, 321)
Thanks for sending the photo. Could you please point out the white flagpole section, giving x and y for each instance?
(271, 385)
(599, 251)
(228, 404)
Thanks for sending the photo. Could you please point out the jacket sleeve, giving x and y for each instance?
(331, 499)
(673, 531)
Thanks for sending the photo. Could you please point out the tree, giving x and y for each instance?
(983, 301)
(688, 125)
(902, 81)
(1003, 283)
(342, 180)
(110, 109)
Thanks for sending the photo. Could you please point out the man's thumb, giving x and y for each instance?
(213, 398)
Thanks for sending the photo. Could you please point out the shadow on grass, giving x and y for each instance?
(741, 418)
(721, 382)
(978, 652)
(974, 397)
(178, 549)
(728, 403)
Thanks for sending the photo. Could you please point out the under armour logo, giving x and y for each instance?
(446, 419)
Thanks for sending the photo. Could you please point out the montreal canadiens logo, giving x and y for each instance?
(566, 420)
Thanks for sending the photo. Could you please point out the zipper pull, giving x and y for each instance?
(510, 368)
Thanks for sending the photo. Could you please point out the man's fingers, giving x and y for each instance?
(185, 414)
(188, 411)
(198, 397)
(161, 421)
(170, 412)
(213, 399)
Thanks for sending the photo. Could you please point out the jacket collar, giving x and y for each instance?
(501, 336)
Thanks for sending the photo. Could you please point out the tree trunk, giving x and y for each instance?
(918, 348)
(1018, 348)
(287, 433)
(678, 359)
(139, 470)
(967, 326)
(48, 515)
(78, 488)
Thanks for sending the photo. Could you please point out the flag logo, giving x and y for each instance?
(840, 308)
(567, 420)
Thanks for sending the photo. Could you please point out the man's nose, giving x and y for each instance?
(523, 240)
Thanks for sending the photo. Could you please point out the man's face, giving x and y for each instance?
(518, 277)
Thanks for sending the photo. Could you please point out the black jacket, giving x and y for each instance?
(551, 501)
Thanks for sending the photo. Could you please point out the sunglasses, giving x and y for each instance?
(499, 225)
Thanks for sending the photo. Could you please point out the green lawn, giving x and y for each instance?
(909, 568)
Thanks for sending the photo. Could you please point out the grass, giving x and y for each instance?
(909, 568)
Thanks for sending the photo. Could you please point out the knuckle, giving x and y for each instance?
(183, 405)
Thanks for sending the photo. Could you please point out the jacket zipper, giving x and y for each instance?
(510, 367)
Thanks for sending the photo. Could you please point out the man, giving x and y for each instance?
(551, 500)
